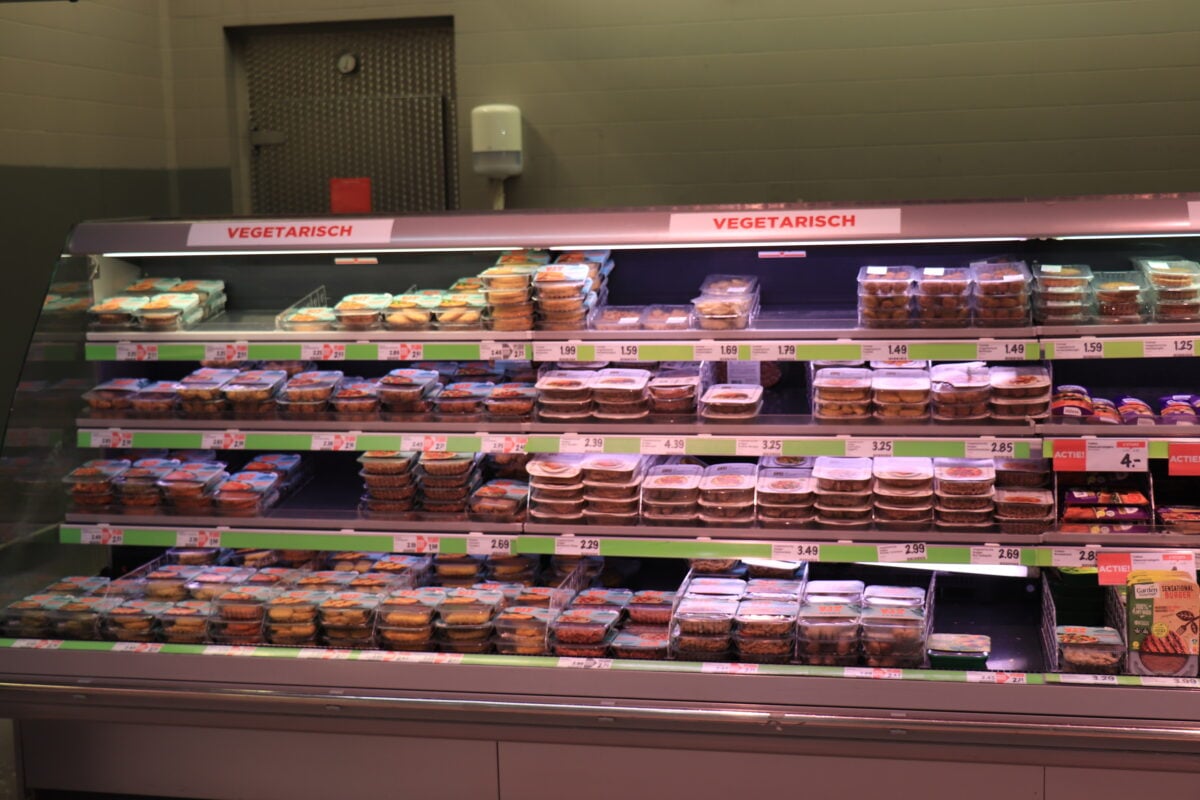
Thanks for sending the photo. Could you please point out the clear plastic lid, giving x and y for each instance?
(729, 284)
(895, 468)
(313, 315)
(561, 466)
(952, 470)
(897, 596)
(670, 387)
(203, 287)
(209, 375)
(1031, 498)
(966, 375)
(787, 462)
(673, 477)
(1089, 636)
(843, 378)
(170, 302)
(707, 608)
(664, 317)
(1170, 273)
(773, 587)
(732, 397)
(613, 598)
(407, 376)
(282, 464)
(152, 286)
(248, 484)
(561, 273)
(784, 482)
(118, 305)
(888, 278)
(358, 303)
(1050, 277)
(902, 380)
(833, 468)
(611, 469)
(313, 382)
(566, 380)
(719, 477)
(850, 591)
(752, 611)
(1023, 377)
(197, 478)
(1000, 277)
(827, 609)
(653, 598)
(100, 470)
(716, 587)
(617, 318)
(255, 380)
(508, 275)
(465, 390)
(884, 619)
(156, 392)
(118, 386)
(943, 280)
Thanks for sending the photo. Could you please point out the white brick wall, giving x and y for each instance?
(678, 101)
(81, 84)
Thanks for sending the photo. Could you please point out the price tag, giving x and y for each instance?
(992, 350)
(996, 555)
(795, 551)
(402, 351)
(495, 443)
(137, 647)
(113, 437)
(423, 443)
(500, 351)
(197, 538)
(1092, 680)
(1092, 348)
(773, 352)
(759, 447)
(382, 655)
(989, 448)
(585, 663)
(1183, 458)
(664, 445)
(867, 448)
(1117, 455)
(337, 442)
(617, 351)
(128, 351)
(227, 353)
(37, 644)
(576, 546)
(729, 669)
(325, 654)
(873, 672)
(1074, 556)
(223, 440)
(414, 543)
(1011, 678)
(480, 545)
(1174, 683)
(885, 351)
(229, 650)
(581, 444)
(912, 551)
(556, 351)
(101, 534)
(322, 351)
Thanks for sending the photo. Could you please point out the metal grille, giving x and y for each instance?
(391, 119)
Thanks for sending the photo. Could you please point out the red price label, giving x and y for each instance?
(323, 351)
(401, 351)
(127, 351)
(1070, 456)
(338, 442)
(1183, 458)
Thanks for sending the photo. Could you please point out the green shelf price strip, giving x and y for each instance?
(604, 664)
(320, 351)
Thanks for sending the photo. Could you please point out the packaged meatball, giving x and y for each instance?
(842, 384)
(169, 311)
(729, 484)
(667, 318)
(311, 386)
(499, 500)
(566, 385)
(943, 281)
(964, 476)
(1010, 383)
(361, 311)
(827, 633)
(727, 401)
(835, 474)
(906, 386)
(1004, 278)
(114, 395)
(673, 483)
(1062, 278)
(885, 280)
(903, 473)
(511, 401)
(115, 313)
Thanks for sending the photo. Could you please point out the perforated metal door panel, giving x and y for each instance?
(390, 119)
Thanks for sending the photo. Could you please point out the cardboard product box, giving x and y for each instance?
(1163, 618)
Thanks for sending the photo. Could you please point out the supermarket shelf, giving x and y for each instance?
(1113, 539)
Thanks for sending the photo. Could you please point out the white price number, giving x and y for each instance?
(996, 555)
(867, 448)
(223, 440)
(1117, 455)
(503, 444)
(127, 351)
(337, 442)
(137, 647)
(877, 673)
(323, 351)
(1073, 557)
(729, 669)
(912, 551)
(1010, 678)
(478, 545)
(796, 551)
(401, 351)
(586, 663)
(576, 546)
(581, 444)
(414, 543)
(501, 351)
(227, 353)
(663, 445)
(759, 447)
(423, 444)
(989, 448)
(197, 538)
(101, 534)
(112, 438)
(1091, 680)
(37, 644)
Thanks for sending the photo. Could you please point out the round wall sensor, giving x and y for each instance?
(347, 63)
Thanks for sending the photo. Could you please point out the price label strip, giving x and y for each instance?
(1009, 678)
(576, 546)
(581, 444)
(617, 351)
(494, 443)
(223, 440)
(480, 545)
(233, 353)
(101, 534)
(989, 448)
(197, 538)
(885, 351)
(337, 442)
(1073, 556)
(868, 448)
(1169, 348)
(500, 351)
(716, 351)
(402, 351)
(759, 447)
(912, 551)
(991, 350)
(322, 351)
(128, 351)
(1117, 455)
(663, 445)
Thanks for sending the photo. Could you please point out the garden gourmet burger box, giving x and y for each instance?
(1163, 613)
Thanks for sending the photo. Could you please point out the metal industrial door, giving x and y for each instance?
(350, 100)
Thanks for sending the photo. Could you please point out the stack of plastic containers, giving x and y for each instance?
(727, 494)
(292, 616)
(1176, 285)
(460, 311)
(556, 488)
(446, 481)
(307, 393)
(585, 631)
(674, 392)
(241, 612)
(842, 393)
(671, 494)
(185, 622)
(410, 312)
(827, 627)
(885, 296)
(943, 297)
(409, 394)
(169, 311)
(390, 482)
(903, 493)
(765, 631)
(509, 293)
(726, 302)
(844, 492)
(1026, 511)
(458, 570)
(247, 494)
(137, 487)
(899, 394)
(1063, 294)
(201, 393)
(784, 498)
(1121, 297)
(728, 402)
(565, 394)
(960, 392)
(703, 627)
(563, 296)
(465, 620)
(964, 490)
(252, 393)
(523, 631)
(1019, 393)
(1001, 294)
(348, 619)
(361, 312)
(404, 618)
(620, 394)
(611, 487)
(210, 292)
(893, 626)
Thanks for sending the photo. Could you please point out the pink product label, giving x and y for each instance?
(299, 232)
(787, 223)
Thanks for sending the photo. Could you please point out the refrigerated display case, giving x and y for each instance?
(140, 709)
